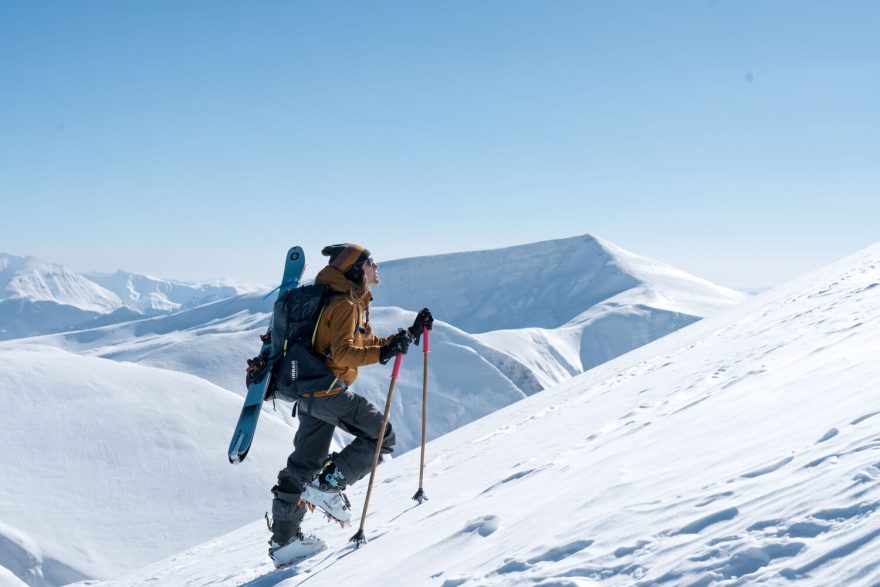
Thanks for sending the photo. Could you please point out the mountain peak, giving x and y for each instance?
(32, 279)
(543, 284)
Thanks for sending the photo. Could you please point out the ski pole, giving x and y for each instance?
(420, 495)
(359, 537)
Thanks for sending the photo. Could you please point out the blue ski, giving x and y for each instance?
(250, 413)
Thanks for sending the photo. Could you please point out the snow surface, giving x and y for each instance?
(744, 449)
(108, 464)
(468, 379)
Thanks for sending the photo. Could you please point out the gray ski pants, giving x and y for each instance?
(318, 418)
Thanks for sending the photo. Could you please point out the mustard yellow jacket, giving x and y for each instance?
(343, 334)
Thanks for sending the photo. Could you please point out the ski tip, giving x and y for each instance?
(295, 253)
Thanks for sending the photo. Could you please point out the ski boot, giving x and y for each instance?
(298, 549)
(288, 546)
(326, 492)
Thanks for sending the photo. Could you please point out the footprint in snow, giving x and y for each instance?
(713, 498)
(828, 435)
(846, 513)
(514, 477)
(869, 474)
(752, 559)
(871, 444)
(558, 553)
(701, 524)
(484, 526)
(780, 528)
(861, 419)
(836, 553)
(767, 469)
(628, 550)
(554, 555)
(804, 530)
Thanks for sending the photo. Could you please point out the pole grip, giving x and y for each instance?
(427, 337)
(398, 360)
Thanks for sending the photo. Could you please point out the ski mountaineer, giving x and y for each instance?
(312, 478)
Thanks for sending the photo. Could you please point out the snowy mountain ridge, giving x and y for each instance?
(29, 278)
(559, 307)
(37, 297)
(741, 450)
(151, 295)
(543, 285)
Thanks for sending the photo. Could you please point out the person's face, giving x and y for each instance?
(371, 272)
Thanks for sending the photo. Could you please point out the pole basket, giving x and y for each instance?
(359, 538)
(420, 496)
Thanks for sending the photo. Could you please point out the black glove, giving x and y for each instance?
(424, 319)
(257, 368)
(396, 346)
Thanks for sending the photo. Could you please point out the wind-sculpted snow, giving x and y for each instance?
(744, 449)
(107, 466)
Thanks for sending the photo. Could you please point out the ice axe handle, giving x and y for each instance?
(427, 336)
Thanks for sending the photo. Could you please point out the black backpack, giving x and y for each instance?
(297, 367)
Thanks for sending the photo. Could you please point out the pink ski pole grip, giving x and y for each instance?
(398, 360)
(427, 340)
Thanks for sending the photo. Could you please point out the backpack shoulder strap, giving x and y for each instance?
(328, 297)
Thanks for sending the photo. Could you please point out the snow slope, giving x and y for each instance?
(544, 285)
(469, 378)
(744, 449)
(107, 466)
(470, 375)
(559, 307)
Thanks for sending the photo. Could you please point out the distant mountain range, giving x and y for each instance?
(37, 297)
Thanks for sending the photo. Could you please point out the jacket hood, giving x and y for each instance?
(336, 280)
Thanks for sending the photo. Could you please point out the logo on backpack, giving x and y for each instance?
(293, 367)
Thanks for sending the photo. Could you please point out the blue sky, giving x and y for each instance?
(736, 140)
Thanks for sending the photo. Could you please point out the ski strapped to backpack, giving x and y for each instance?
(258, 369)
